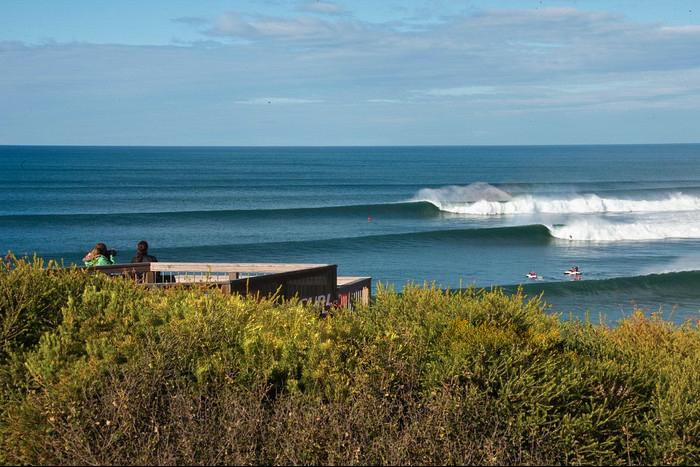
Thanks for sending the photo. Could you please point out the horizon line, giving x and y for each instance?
(340, 145)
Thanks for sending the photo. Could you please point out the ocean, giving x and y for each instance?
(627, 216)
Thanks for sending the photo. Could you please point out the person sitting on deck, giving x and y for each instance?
(100, 256)
(142, 255)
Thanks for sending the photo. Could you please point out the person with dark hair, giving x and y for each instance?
(142, 255)
(100, 256)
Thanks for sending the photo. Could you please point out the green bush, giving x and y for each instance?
(102, 371)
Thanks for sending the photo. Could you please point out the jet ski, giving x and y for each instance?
(532, 275)
(573, 271)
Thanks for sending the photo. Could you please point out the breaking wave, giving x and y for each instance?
(482, 199)
(598, 230)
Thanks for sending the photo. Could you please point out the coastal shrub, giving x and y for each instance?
(32, 294)
(102, 371)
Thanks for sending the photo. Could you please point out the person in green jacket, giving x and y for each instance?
(100, 256)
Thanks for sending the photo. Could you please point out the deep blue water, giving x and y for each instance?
(628, 216)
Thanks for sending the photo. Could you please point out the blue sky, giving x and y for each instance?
(320, 72)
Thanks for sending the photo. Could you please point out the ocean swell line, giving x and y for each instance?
(679, 285)
(407, 209)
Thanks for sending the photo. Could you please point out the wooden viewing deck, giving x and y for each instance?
(311, 283)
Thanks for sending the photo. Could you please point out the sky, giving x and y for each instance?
(352, 72)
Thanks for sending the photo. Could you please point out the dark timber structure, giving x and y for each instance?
(310, 283)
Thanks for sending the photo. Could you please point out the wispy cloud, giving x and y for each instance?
(488, 62)
(655, 90)
(191, 20)
(385, 101)
(323, 7)
(691, 29)
(278, 101)
(459, 91)
(475, 55)
(258, 27)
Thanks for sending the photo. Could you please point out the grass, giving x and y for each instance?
(96, 370)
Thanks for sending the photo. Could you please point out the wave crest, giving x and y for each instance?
(597, 230)
(482, 199)
(474, 192)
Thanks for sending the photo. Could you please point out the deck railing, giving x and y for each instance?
(311, 283)
(354, 291)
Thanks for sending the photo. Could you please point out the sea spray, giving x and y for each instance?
(602, 230)
(478, 191)
(487, 200)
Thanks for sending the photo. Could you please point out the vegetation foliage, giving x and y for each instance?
(97, 370)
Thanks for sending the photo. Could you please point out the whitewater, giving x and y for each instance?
(577, 217)
(471, 200)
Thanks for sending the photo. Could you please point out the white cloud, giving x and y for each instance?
(231, 23)
(498, 61)
(463, 91)
(497, 45)
(265, 27)
(686, 29)
(323, 7)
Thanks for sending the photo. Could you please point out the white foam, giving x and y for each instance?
(598, 230)
(486, 200)
(478, 191)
